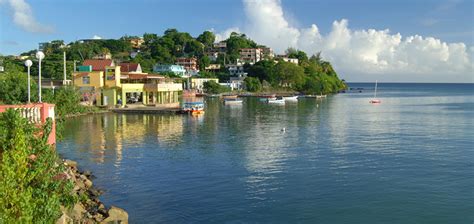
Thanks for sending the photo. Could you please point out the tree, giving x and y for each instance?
(252, 84)
(214, 87)
(300, 55)
(204, 62)
(207, 38)
(194, 48)
(262, 70)
(14, 88)
(286, 74)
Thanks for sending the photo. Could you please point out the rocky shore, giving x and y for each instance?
(88, 209)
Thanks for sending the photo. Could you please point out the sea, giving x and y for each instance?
(409, 159)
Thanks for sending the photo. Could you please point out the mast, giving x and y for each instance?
(375, 93)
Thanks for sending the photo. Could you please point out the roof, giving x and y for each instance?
(78, 75)
(128, 67)
(141, 76)
(98, 65)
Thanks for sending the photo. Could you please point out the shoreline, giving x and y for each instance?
(88, 209)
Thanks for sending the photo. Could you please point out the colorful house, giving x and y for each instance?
(102, 82)
(176, 69)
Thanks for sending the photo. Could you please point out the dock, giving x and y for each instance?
(147, 110)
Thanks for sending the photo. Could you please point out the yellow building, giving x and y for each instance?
(102, 82)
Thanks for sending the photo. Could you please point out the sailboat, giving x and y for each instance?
(375, 100)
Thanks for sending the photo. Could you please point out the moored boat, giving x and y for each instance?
(226, 97)
(291, 98)
(193, 108)
(235, 101)
(278, 100)
(321, 96)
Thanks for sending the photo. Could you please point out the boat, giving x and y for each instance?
(226, 97)
(291, 98)
(193, 108)
(375, 100)
(278, 100)
(235, 101)
(321, 96)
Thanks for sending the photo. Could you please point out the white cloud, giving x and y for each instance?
(23, 17)
(362, 55)
(96, 37)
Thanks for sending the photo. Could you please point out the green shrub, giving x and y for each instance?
(32, 181)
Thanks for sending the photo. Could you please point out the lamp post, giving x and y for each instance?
(28, 64)
(39, 56)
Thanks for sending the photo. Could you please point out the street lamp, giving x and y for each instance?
(28, 64)
(39, 56)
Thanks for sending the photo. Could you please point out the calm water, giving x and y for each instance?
(341, 160)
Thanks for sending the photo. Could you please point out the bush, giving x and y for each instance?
(252, 84)
(31, 187)
(214, 87)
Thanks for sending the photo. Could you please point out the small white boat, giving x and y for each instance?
(276, 100)
(375, 100)
(321, 96)
(291, 98)
(236, 101)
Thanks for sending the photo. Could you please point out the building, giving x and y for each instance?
(250, 55)
(236, 69)
(136, 42)
(103, 83)
(267, 53)
(220, 47)
(237, 83)
(188, 63)
(213, 67)
(130, 67)
(291, 60)
(212, 55)
(198, 83)
(102, 56)
(176, 69)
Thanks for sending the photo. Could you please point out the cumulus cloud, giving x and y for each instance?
(362, 55)
(96, 37)
(23, 17)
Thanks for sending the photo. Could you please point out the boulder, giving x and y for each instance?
(70, 163)
(64, 219)
(88, 183)
(116, 215)
(77, 212)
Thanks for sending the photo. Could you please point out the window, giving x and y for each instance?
(86, 80)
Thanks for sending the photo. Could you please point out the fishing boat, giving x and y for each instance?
(375, 100)
(278, 100)
(235, 101)
(193, 108)
(291, 98)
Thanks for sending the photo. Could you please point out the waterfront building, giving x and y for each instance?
(104, 84)
(176, 69)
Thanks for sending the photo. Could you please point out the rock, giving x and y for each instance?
(77, 212)
(83, 177)
(80, 184)
(87, 173)
(116, 215)
(64, 219)
(88, 183)
(70, 163)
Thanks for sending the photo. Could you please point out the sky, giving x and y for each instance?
(365, 40)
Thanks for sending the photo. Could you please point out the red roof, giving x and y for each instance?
(98, 65)
(128, 67)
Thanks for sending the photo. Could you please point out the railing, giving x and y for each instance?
(36, 114)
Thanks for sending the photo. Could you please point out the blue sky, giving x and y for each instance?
(449, 21)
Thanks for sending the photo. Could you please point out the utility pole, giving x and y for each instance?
(64, 61)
